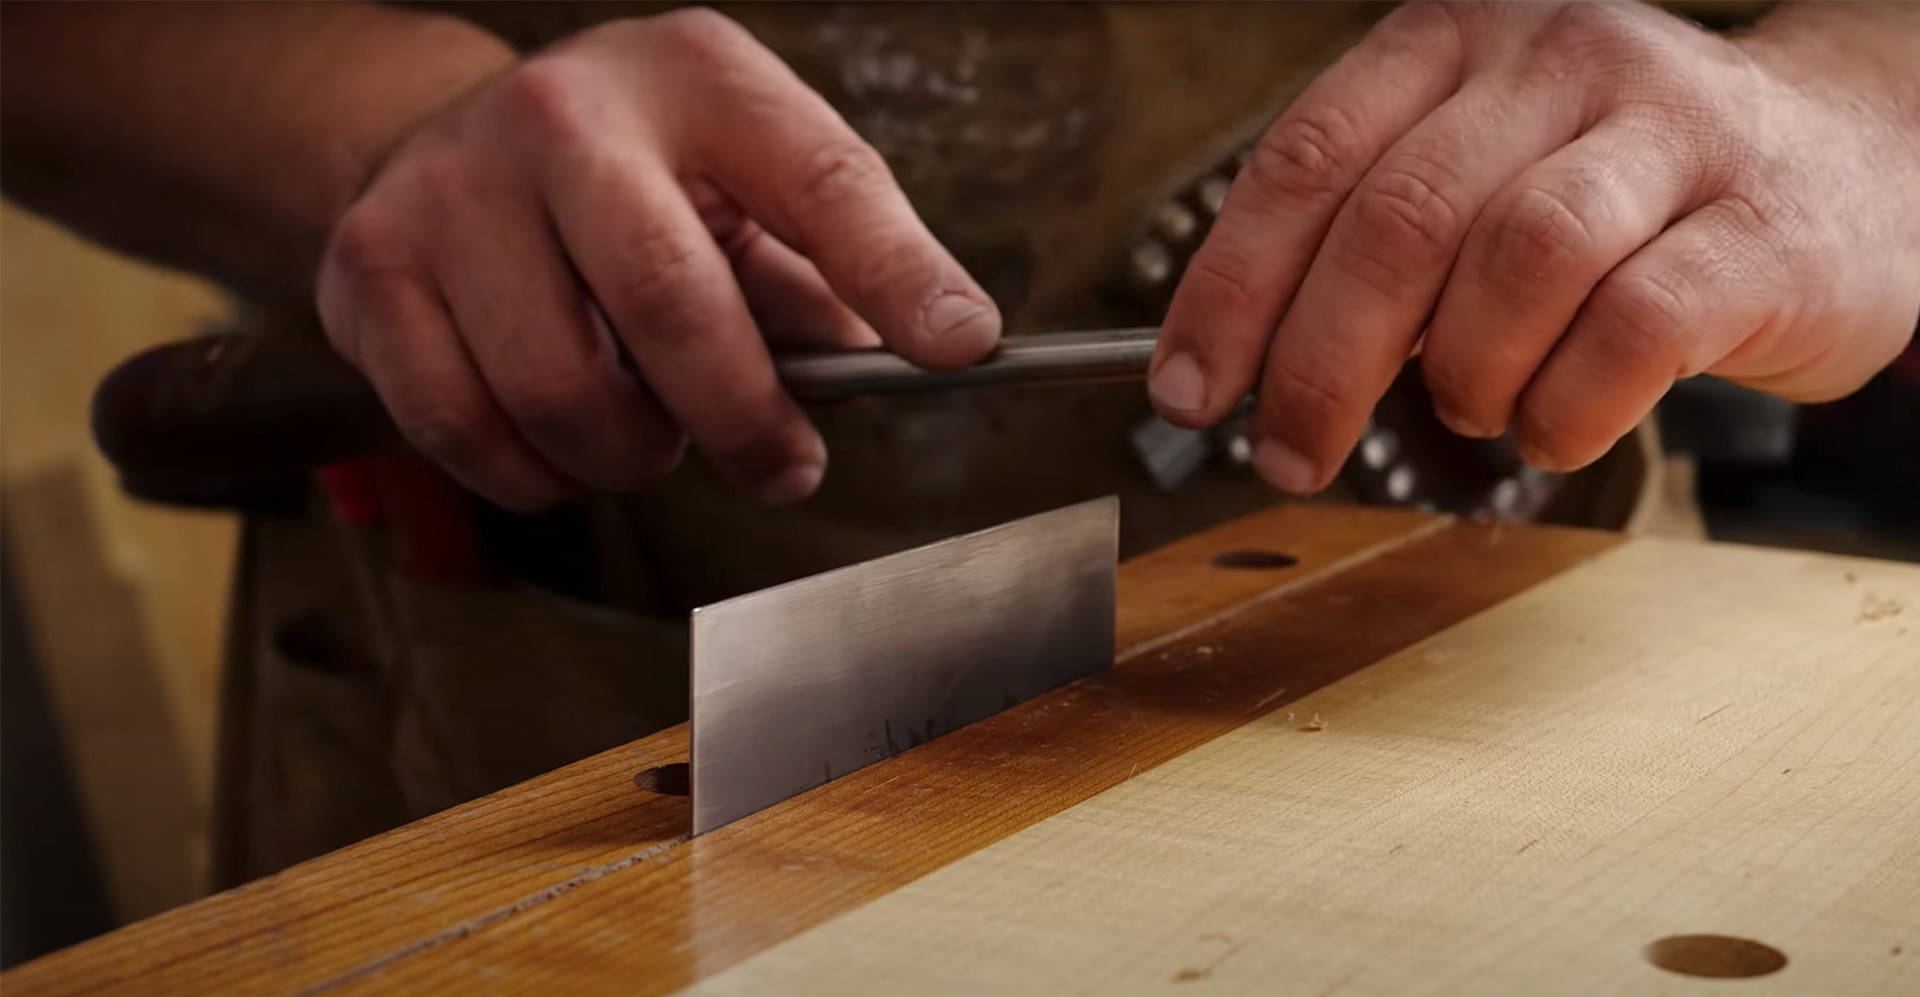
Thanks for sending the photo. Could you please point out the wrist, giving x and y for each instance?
(434, 63)
(1860, 52)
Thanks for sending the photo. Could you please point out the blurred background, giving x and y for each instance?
(112, 607)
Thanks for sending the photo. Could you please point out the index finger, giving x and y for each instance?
(1279, 208)
(780, 151)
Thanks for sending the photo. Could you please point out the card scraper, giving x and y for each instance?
(802, 683)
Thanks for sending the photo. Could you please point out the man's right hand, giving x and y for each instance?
(673, 177)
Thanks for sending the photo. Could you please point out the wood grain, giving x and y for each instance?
(445, 884)
(692, 911)
(1165, 591)
(1672, 740)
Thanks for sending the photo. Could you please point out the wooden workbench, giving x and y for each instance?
(1426, 756)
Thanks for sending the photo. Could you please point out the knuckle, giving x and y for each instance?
(894, 271)
(1624, 53)
(1772, 222)
(1421, 17)
(1428, 31)
(365, 267)
(1670, 101)
(1227, 276)
(1539, 240)
(1590, 34)
(1311, 156)
(1453, 385)
(659, 263)
(1643, 316)
(700, 33)
(836, 173)
(1403, 226)
(720, 59)
(1306, 394)
(1549, 437)
(365, 244)
(547, 95)
(661, 259)
(444, 428)
(558, 406)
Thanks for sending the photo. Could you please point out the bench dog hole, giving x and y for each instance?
(667, 780)
(1254, 560)
(1716, 956)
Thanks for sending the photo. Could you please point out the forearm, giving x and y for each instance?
(1867, 48)
(225, 138)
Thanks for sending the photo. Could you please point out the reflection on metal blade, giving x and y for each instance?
(808, 681)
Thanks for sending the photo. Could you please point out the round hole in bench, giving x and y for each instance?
(1715, 956)
(667, 780)
(1253, 559)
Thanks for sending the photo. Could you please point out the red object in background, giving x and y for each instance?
(428, 514)
(353, 491)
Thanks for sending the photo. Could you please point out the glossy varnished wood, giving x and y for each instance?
(580, 881)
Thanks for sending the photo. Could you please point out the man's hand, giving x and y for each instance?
(1563, 208)
(673, 178)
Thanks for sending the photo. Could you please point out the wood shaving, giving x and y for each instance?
(1314, 724)
(1873, 608)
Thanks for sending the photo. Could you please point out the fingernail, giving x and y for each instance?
(1540, 460)
(1467, 427)
(792, 484)
(1283, 467)
(1178, 384)
(956, 317)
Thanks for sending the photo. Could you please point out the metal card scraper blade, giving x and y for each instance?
(799, 684)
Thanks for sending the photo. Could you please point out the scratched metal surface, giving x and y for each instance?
(808, 681)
